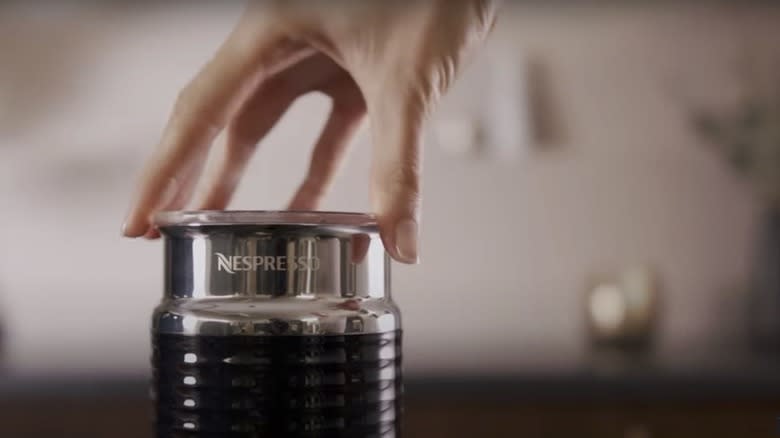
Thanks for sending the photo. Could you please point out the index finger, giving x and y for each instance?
(201, 111)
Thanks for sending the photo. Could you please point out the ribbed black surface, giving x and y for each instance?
(278, 386)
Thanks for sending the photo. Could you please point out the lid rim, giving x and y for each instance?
(207, 218)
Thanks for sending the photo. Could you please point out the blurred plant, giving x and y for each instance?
(748, 134)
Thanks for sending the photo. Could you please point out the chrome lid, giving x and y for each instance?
(253, 267)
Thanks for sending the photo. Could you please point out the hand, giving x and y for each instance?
(390, 60)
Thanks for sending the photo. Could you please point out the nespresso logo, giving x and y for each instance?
(233, 263)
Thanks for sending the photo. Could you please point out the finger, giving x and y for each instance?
(360, 244)
(258, 115)
(328, 153)
(187, 187)
(182, 196)
(396, 128)
(202, 110)
(256, 119)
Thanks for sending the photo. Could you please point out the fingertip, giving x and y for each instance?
(401, 240)
(133, 229)
(407, 241)
(152, 234)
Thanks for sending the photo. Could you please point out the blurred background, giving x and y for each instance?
(601, 234)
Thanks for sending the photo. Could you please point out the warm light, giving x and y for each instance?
(608, 307)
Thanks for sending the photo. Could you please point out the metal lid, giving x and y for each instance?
(218, 253)
(243, 270)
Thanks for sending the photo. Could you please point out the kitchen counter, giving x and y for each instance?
(584, 386)
(595, 377)
(735, 397)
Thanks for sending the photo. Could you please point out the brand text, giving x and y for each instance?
(233, 263)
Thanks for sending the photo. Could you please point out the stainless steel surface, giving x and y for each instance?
(251, 217)
(274, 273)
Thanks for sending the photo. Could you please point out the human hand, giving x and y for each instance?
(389, 60)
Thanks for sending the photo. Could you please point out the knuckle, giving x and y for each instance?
(350, 103)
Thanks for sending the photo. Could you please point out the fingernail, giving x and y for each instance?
(406, 236)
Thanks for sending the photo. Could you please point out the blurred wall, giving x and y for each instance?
(507, 246)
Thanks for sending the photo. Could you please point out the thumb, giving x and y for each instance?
(396, 124)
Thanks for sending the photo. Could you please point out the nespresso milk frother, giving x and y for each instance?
(275, 324)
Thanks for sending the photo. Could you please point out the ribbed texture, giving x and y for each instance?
(278, 386)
